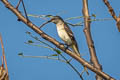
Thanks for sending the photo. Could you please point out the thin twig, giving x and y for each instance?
(78, 24)
(53, 58)
(50, 47)
(72, 67)
(40, 41)
(2, 61)
(78, 17)
(25, 11)
(39, 45)
(45, 57)
(18, 4)
(3, 54)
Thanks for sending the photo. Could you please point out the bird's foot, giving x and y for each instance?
(66, 46)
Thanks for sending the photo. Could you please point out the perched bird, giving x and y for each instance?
(65, 33)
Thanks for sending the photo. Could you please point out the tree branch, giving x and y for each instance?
(90, 43)
(112, 12)
(53, 41)
(4, 75)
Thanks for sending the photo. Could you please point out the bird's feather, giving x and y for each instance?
(74, 45)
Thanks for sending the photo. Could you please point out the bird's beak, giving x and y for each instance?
(45, 23)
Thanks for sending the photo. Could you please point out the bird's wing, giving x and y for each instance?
(70, 33)
(74, 45)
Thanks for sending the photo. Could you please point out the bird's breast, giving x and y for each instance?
(63, 34)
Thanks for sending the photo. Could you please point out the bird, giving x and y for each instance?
(65, 33)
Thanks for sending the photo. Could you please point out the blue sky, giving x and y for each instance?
(105, 35)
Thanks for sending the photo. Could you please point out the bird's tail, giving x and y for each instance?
(75, 49)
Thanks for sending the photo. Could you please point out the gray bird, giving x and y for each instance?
(65, 33)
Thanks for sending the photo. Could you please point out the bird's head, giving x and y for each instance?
(56, 19)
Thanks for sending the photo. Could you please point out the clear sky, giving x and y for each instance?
(105, 35)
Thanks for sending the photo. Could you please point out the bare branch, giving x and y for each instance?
(112, 12)
(3, 71)
(3, 53)
(90, 43)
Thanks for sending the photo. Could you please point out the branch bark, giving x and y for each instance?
(53, 41)
(112, 12)
(90, 42)
(3, 71)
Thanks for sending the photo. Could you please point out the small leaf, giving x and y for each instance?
(28, 32)
(93, 15)
(58, 51)
(30, 41)
(54, 55)
(50, 16)
(20, 54)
